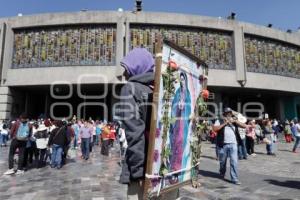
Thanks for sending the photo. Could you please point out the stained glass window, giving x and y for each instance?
(213, 47)
(272, 57)
(65, 46)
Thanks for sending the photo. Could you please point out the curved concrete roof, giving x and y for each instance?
(217, 77)
(88, 17)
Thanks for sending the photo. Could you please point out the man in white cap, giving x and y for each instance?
(228, 139)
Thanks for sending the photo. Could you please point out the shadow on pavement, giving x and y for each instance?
(213, 175)
(285, 150)
(289, 184)
(209, 157)
(209, 174)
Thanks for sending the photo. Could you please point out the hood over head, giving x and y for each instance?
(146, 78)
(138, 61)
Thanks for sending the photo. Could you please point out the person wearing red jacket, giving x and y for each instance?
(20, 133)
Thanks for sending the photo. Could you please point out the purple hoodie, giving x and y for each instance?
(138, 61)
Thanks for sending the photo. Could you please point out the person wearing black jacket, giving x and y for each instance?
(58, 141)
(228, 139)
(135, 104)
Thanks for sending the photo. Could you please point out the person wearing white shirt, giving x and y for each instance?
(228, 140)
(297, 137)
(3, 134)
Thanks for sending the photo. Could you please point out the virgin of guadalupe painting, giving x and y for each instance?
(178, 135)
(171, 155)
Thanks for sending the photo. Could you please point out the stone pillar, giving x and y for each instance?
(127, 37)
(120, 38)
(2, 42)
(218, 104)
(7, 53)
(5, 93)
(5, 103)
(239, 54)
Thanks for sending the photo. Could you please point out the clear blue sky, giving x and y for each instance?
(283, 14)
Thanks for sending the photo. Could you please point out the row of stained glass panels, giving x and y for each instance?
(272, 57)
(96, 45)
(64, 46)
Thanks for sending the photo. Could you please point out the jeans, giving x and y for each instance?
(271, 147)
(3, 139)
(56, 155)
(85, 147)
(97, 140)
(75, 141)
(297, 142)
(242, 150)
(16, 144)
(229, 150)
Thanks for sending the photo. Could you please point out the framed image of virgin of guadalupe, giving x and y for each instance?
(178, 105)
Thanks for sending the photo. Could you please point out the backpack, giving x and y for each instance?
(23, 132)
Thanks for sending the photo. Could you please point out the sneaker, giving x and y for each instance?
(254, 154)
(9, 172)
(237, 182)
(19, 172)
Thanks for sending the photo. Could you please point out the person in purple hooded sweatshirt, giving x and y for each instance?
(135, 116)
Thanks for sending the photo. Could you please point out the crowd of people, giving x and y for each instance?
(36, 143)
(263, 131)
(46, 138)
(236, 137)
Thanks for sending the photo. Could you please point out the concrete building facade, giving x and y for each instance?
(44, 58)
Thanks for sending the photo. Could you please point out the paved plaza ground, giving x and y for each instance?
(262, 177)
